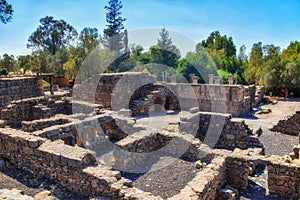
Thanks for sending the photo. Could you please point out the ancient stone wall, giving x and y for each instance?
(72, 167)
(116, 91)
(153, 94)
(284, 176)
(18, 88)
(290, 126)
(230, 133)
(101, 89)
(34, 108)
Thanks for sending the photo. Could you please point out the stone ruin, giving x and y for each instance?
(85, 151)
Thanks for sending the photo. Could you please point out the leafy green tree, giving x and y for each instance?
(3, 71)
(89, 38)
(76, 58)
(290, 61)
(271, 67)
(165, 52)
(217, 42)
(200, 64)
(253, 68)
(6, 11)
(52, 35)
(8, 62)
(113, 34)
(223, 52)
(24, 63)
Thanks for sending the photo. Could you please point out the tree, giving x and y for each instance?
(242, 53)
(6, 12)
(200, 64)
(253, 68)
(113, 34)
(290, 61)
(8, 62)
(24, 63)
(89, 38)
(76, 58)
(217, 42)
(52, 35)
(165, 52)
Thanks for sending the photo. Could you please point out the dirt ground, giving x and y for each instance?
(274, 143)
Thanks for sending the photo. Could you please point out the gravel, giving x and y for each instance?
(167, 181)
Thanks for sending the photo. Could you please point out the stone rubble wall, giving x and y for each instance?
(284, 177)
(74, 168)
(290, 126)
(120, 127)
(17, 88)
(43, 108)
(84, 130)
(228, 133)
(35, 125)
(34, 108)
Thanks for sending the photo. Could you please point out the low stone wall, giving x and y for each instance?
(17, 88)
(226, 132)
(34, 108)
(284, 177)
(72, 167)
(290, 126)
(76, 168)
(120, 127)
(35, 125)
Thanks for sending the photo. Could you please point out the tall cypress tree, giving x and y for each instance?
(114, 34)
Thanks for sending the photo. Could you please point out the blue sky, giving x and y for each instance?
(247, 21)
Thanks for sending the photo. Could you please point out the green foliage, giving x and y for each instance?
(200, 64)
(24, 63)
(52, 35)
(6, 11)
(223, 52)
(224, 75)
(113, 34)
(216, 42)
(8, 62)
(89, 38)
(165, 52)
(3, 71)
(290, 61)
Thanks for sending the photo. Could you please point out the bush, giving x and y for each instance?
(3, 71)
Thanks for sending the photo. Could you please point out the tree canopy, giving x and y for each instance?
(51, 35)
(6, 11)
